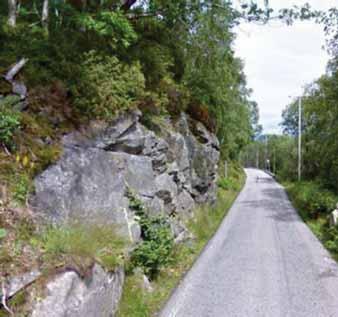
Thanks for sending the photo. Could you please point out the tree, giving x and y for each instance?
(45, 13)
(12, 13)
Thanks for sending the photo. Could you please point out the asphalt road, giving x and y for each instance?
(263, 261)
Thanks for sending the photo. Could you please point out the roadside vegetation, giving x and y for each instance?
(314, 204)
(52, 250)
(140, 300)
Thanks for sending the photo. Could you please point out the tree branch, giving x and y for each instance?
(15, 69)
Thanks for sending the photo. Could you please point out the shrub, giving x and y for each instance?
(9, 123)
(312, 199)
(107, 86)
(155, 251)
(156, 248)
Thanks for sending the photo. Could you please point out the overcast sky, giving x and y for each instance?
(280, 60)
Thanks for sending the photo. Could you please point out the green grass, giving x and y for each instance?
(136, 302)
(92, 242)
(77, 246)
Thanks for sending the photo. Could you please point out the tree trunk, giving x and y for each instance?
(45, 14)
(12, 12)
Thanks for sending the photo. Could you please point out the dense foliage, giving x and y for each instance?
(9, 123)
(113, 55)
(320, 130)
(155, 251)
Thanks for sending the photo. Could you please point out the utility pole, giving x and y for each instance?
(266, 164)
(300, 139)
(274, 160)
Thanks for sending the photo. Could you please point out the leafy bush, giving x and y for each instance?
(113, 26)
(327, 234)
(9, 123)
(156, 248)
(312, 199)
(155, 251)
(107, 86)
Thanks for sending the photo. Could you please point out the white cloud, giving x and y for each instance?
(279, 60)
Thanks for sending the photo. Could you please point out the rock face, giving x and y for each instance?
(70, 296)
(169, 173)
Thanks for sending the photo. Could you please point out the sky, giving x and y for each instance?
(280, 60)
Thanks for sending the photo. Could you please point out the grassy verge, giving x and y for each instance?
(24, 247)
(314, 204)
(139, 302)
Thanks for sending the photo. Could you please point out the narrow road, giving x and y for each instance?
(263, 261)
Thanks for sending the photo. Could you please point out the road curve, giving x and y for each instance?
(263, 261)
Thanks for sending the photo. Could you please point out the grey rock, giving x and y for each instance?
(205, 136)
(178, 151)
(102, 135)
(117, 129)
(202, 157)
(179, 230)
(156, 148)
(139, 174)
(167, 173)
(146, 285)
(17, 283)
(155, 206)
(166, 189)
(70, 296)
(80, 187)
(89, 185)
(185, 203)
(19, 88)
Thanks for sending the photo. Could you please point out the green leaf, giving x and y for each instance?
(3, 233)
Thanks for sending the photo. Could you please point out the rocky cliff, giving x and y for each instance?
(169, 171)
(170, 168)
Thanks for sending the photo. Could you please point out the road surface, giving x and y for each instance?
(263, 261)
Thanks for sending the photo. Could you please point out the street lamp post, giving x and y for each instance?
(300, 138)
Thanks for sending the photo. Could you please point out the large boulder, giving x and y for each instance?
(67, 295)
(168, 173)
(90, 185)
